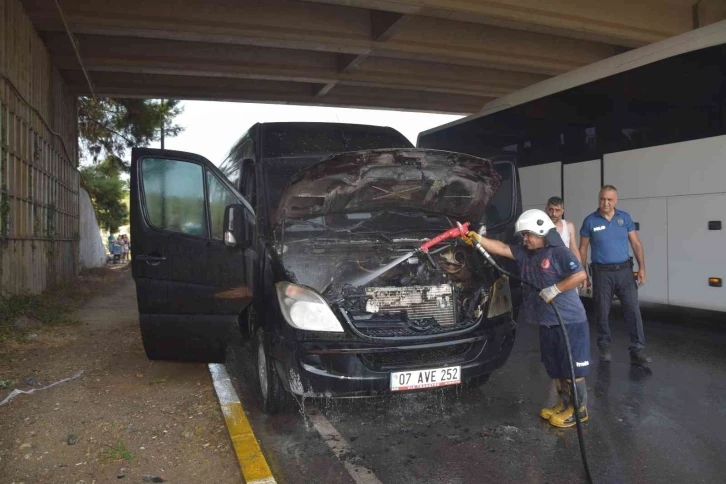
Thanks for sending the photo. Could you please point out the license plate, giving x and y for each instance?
(417, 379)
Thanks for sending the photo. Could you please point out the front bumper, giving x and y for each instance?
(350, 369)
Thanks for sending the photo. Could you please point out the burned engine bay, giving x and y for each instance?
(355, 213)
(446, 290)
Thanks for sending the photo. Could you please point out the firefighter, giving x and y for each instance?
(545, 262)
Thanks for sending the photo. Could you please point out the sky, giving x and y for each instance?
(211, 127)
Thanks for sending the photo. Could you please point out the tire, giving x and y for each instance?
(271, 393)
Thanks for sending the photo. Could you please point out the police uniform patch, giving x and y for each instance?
(621, 222)
(545, 263)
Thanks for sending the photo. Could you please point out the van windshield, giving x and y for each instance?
(319, 138)
(288, 148)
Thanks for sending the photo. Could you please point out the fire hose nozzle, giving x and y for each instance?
(459, 231)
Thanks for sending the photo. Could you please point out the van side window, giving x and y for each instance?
(219, 198)
(174, 195)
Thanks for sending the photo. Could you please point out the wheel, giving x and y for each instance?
(270, 392)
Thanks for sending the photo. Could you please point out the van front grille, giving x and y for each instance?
(418, 302)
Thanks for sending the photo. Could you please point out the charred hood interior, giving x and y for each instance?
(401, 197)
(434, 181)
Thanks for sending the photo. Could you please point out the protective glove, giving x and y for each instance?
(549, 293)
(473, 237)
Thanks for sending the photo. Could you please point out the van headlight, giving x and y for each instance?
(305, 309)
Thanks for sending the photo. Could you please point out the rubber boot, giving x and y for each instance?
(566, 418)
(639, 358)
(564, 401)
(605, 354)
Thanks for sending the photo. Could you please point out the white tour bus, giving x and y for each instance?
(651, 122)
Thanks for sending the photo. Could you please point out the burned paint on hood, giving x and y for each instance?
(432, 181)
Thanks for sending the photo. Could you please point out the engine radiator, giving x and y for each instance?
(418, 301)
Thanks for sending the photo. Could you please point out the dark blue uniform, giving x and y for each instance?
(544, 268)
(612, 273)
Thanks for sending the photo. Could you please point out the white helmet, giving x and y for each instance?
(534, 221)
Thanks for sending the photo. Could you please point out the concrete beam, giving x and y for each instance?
(154, 56)
(348, 62)
(618, 22)
(317, 27)
(325, 89)
(707, 12)
(385, 24)
(114, 84)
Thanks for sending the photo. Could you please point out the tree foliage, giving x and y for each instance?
(109, 127)
(107, 190)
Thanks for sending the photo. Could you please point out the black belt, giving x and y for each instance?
(612, 267)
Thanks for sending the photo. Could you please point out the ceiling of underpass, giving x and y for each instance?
(430, 55)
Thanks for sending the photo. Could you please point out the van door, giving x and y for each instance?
(190, 286)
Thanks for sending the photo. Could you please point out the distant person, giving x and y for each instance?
(556, 209)
(116, 251)
(609, 230)
(124, 248)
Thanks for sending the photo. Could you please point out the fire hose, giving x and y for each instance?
(474, 237)
(462, 231)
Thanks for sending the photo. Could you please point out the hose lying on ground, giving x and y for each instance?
(580, 438)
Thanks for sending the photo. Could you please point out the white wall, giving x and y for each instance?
(92, 252)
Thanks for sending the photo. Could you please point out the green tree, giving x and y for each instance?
(108, 192)
(109, 127)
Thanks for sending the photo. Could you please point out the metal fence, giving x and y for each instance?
(39, 179)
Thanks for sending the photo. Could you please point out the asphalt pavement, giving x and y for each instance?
(664, 424)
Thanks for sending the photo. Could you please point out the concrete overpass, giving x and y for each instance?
(431, 55)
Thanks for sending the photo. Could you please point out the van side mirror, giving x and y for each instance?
(235, 226)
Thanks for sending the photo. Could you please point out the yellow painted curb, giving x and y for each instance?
(249, 455)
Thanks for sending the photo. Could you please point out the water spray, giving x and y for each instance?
(459, 231)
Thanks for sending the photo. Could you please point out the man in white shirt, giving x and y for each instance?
(556, 209)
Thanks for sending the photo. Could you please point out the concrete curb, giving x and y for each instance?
(249, 455)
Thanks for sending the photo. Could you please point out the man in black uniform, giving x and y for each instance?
(545, 262)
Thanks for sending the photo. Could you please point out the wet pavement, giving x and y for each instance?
(665, 424)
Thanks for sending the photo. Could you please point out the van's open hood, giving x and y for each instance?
(452, 184)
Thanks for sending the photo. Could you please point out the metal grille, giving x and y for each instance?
(403, 332)
(419, 302)
(417, 357)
